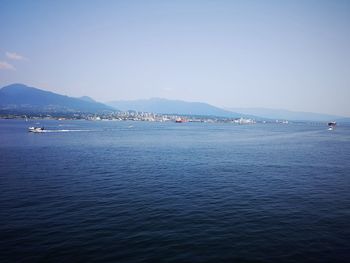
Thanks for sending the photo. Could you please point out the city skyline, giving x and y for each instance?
(290, 55)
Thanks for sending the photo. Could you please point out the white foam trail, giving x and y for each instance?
(66, 130)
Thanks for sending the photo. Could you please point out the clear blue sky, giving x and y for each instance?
(276, 54)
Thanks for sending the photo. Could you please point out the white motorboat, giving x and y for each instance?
(331, 125)
(36, 129)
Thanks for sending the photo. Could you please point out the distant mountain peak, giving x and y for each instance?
(87, 98)
(16, 87)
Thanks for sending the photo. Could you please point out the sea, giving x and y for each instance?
(128, 191)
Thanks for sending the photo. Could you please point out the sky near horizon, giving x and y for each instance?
(292, 55)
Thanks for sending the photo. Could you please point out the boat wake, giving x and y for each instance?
(66, 130)
(44, 130)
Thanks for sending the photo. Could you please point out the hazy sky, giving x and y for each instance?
(276, 54)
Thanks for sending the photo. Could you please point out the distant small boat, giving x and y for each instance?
(331, 125)
(36, 129)
(179, 120)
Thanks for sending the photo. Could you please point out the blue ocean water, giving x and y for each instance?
(165, 192)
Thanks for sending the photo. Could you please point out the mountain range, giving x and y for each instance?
(165, 106)
(21, 98)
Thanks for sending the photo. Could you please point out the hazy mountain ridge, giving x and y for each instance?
(281, 114)
(20, 97)
(166, 106)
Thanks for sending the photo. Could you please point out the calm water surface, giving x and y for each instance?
(166, 192)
